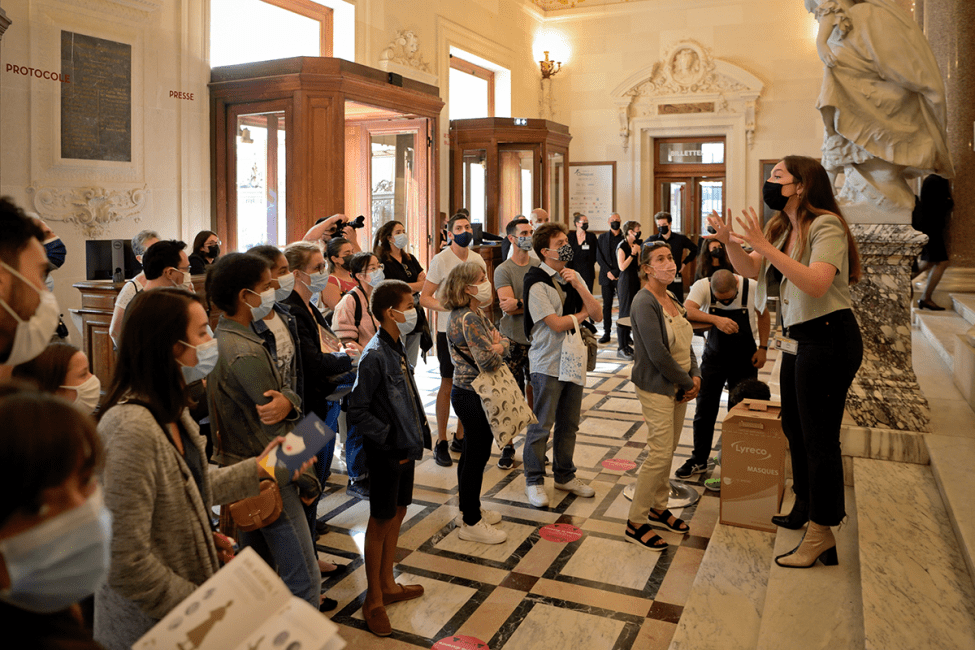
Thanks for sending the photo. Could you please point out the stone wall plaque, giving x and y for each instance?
(96, 107)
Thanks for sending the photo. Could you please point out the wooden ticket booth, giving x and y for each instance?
(298, 139)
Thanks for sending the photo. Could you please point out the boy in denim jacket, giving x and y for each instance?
(386, 410)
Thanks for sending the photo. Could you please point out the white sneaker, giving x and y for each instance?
(576, 487)
(491, 516)
(537, 496)
(482, 532)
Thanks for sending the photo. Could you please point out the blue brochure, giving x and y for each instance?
(306, 440)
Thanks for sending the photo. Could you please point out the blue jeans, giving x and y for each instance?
(286, 544)
(557, 403)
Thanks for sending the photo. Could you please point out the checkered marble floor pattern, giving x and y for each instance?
(598, 591)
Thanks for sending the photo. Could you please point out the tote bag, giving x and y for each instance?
(575, 357)
(504, 406)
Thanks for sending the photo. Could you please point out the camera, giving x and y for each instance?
(358, 222)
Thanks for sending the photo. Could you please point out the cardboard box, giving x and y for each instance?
(753, 451)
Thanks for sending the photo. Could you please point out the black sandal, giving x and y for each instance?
(636, 535)
(664, 517)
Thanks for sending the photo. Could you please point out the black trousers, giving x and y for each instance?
(609, 292)
(814, 383)
(477, 451)
(716, 371)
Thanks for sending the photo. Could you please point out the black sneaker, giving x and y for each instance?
(507, 460)
(441, 454)
(690, 468)
(359, 489)
(457, 446)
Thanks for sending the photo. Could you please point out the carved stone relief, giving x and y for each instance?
(91, 209)
(405, 50)
(688, 80)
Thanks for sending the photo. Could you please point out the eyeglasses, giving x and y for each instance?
(655, 244)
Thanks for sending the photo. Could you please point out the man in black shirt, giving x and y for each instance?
(682, 248)
(609, 270)
(583, 245)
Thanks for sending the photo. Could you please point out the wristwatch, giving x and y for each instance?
(520, 304)
(763, 347)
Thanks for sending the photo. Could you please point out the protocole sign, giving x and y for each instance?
(50, 75)
(752, 465)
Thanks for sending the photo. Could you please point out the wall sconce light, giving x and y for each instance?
(549, 68)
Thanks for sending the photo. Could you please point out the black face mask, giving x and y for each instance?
(614, 225)
(772, 194)
(213, 251)
(584, 226)
(638, 241)
(664, 229)
(716, 253)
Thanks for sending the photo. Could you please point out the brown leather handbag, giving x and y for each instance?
(258, 511)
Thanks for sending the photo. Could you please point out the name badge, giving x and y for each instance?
(784, 343)
(584, 247)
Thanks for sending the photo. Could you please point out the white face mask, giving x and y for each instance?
(88, 393)
(32, 335)
(186, 284)
(267, 302)
(401, 241)
(483, 294)
(410, 323)
(316, 281)
(206, 359)
(286, 284)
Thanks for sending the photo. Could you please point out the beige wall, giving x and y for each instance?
(775, 41)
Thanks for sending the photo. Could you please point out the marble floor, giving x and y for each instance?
(584, 586)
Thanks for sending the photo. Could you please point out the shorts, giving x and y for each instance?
(390, 482)
(443, 355)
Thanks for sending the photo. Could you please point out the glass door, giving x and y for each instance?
(259, 191)
(475, 184)
(672, 197)
(556, 186)
(709, 196)
(519, 182)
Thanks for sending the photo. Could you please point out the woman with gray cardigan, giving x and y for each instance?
(158, 482)
(666, 377)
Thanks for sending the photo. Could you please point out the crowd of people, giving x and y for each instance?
(122, 506)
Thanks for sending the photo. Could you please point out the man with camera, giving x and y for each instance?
(336, 226)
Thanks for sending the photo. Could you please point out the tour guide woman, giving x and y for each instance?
(808, 250)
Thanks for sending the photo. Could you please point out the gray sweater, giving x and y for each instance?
(162, 548)
(654, 368)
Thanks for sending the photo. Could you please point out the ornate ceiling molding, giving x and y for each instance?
(688, 80)
(91, 209)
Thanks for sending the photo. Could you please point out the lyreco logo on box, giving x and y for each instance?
(743, 448)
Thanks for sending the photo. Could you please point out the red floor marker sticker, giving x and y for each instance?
(619, 464)
(561, 533)
(460, 643)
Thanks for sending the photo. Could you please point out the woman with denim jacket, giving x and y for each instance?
(250, 405)
(385, 407)
(475, 345)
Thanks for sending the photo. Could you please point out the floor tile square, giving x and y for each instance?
(598, 559)
(517, 534)
(427, 615)
(621, 404)
(547, 627)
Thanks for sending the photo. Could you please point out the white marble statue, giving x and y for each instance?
(882, 101)
(404, 50)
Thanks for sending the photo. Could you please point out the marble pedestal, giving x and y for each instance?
(885, 393)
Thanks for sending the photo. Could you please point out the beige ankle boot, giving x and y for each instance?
(817, 544)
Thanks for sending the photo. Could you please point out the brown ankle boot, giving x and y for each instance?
(817, 544)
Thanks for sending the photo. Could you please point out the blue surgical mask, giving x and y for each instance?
(463, 239)
(60, 561)
(267, 302)
(525, 243)
(206, 359)
(376, 277)
(401, 241)
(316, 281)
(286, 284)
(56, 251)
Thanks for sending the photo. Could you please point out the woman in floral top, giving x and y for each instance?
(475, 345)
